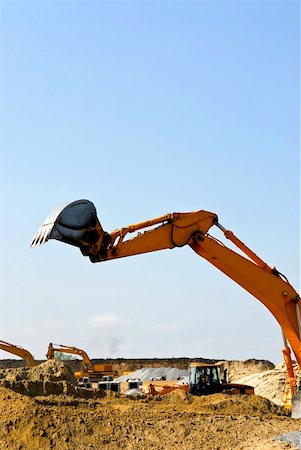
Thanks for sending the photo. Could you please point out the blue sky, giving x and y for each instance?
(146, 108)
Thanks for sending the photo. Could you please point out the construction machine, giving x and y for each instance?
(77, 224)
(163, 389)
(204, 379)
(19, 351)
(212, 378)
(95, 372)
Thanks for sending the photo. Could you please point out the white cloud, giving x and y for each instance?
(106, 320)
(165, 328)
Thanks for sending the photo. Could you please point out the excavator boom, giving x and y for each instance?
(77, 224)
(19, 351)
(52, 348)
(90, 370)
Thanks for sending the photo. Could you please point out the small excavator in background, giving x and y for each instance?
(95, 372)
(19, 351)
(77, 224)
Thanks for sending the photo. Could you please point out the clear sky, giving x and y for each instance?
(146, 108)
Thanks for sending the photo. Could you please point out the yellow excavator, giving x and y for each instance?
(19, 351)
(95, 372)
(77, 224)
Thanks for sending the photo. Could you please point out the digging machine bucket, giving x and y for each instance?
(76, 224)
(296, 405)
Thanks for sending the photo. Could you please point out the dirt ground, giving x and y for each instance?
(115, 421)
(176, 421)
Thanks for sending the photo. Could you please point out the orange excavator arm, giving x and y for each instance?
(19, 351)
(52, 348)
(77, 224)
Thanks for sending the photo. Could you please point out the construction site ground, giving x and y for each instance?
(42, 409)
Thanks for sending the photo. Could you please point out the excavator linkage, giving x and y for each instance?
(75, 223)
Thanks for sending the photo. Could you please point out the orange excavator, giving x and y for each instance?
(77, 224)
(95, 372)
(19, 351)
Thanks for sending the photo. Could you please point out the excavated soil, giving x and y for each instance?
(73, 421)
(59, 422)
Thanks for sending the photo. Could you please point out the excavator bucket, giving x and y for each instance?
(76, 224)
(296, 406)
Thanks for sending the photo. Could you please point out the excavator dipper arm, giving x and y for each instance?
(77, 224)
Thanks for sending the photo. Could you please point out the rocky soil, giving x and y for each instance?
(58, 415)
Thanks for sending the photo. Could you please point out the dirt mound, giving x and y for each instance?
(50, 377)
(116, 422)
(55, 414)
(270, 384)
(50, 370)
(238, 369)
(251, 405)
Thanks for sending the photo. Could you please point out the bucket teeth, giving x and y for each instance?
(75, 223)
(44, 232)
(42, 235)
(296, 405)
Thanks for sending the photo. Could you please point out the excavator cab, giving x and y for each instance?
(208, 379)
(205, 379)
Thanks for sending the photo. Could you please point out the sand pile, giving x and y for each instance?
(149, 373)
(177, 421)
(49, 419)
(48, 378)
(50, 370)
(238, 369)
(270, 384)
(251, 405)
